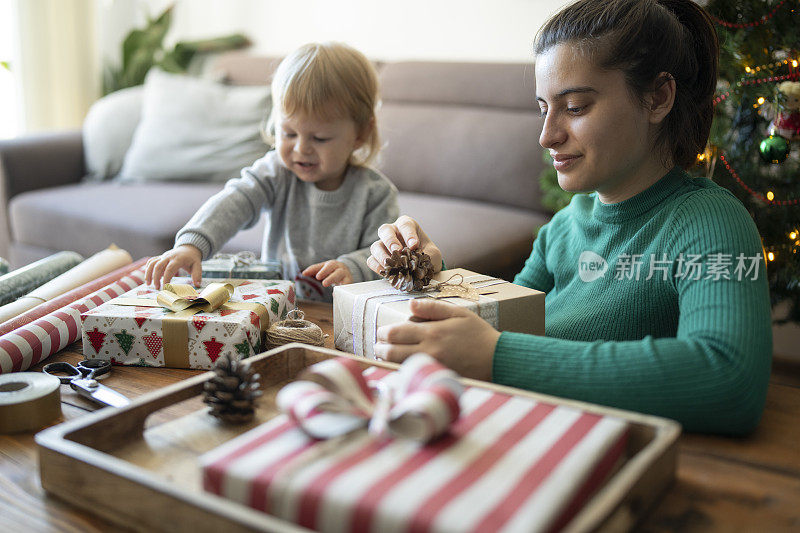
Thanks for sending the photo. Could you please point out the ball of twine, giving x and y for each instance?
(295, 329)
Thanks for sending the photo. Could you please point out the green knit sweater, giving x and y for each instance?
(693, 342)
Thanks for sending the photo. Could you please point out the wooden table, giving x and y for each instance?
(722, 484)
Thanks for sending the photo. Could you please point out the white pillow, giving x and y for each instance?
(108, 131)
(195, 130)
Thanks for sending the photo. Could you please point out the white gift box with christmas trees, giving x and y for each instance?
(359, 309)
(135, 329)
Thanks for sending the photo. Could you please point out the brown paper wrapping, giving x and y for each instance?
(519, 309)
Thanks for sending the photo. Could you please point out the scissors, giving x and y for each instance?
(82, 380)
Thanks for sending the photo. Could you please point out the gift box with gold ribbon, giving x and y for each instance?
(179, 327)
(359, 309)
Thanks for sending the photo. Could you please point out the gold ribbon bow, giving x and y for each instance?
(178, 297)
(183, 302)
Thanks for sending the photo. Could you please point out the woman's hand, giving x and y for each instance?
(330, 273)
(166, 265)
(455, 336)
(404, 232)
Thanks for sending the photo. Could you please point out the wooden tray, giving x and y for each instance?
(141, 471)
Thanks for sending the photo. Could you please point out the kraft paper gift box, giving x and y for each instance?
(134, 330)
(508, 463)
(243, 265)
(359, 309)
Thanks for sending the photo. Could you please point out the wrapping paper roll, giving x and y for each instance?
(96, 266)
(38, 340)
(4, 266)
(23, 280)
(65, 299)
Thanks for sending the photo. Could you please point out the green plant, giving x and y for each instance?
(143, 48)
(554, 197)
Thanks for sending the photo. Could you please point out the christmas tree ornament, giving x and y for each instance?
(233, 391)
(408, 270)
(787, 121)
(774, 149)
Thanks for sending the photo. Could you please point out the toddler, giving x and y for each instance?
(324, 203)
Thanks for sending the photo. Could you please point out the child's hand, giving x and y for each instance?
(330, 273)
(166, 265)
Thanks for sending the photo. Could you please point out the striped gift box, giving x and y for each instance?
(509, 463)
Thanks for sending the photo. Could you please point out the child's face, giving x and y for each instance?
(599, 136)
(316, 150)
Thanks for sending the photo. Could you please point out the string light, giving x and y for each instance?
(760, 100)
(770, 66)
(793, 235)
(769, 199)
(758, 22)
(771, 79)
(771, 256)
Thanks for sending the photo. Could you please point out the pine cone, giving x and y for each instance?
(232, 392)
(408, 270)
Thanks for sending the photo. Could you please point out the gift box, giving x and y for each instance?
(359, 309)
(506, 463)
(243, 265)
(138, 327)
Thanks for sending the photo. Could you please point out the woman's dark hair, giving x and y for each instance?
(644, 38)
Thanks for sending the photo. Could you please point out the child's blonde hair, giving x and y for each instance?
(330, 81)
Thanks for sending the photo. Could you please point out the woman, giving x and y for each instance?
(657, 298)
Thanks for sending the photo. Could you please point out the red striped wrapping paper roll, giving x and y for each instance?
(509, 463)
(38, 340)
(333, 398)
(67, 298)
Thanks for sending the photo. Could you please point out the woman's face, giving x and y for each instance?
(598, 134)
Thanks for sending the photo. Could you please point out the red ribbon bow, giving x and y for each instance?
(333, 398)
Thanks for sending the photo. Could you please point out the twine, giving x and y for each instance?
(295, 329)
(446, 283)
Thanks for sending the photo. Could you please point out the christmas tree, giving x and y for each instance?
(755, 139)
(754, 146)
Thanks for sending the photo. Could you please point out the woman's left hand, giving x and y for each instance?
(457, 337)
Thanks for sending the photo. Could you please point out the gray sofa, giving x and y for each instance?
(461, 146)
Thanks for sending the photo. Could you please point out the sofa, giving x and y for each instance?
(461, 145)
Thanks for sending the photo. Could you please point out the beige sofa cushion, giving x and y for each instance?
(193, 129)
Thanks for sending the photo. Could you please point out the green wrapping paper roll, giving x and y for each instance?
(4, 266)
(23, 280)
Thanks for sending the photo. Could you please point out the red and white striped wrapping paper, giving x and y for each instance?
(38, 340)
(69, 297)
(508, 464)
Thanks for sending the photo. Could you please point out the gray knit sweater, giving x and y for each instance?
(306, 225)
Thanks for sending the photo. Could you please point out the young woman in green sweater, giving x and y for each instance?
(657, 299)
